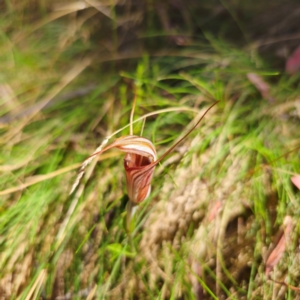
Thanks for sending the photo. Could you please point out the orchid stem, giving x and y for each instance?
(131, 209)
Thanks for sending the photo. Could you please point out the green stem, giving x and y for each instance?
(131, 209)
(130, 222)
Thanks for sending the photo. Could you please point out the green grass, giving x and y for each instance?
(218, 202)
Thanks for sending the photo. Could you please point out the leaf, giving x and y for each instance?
(262, 86)
(292, 65)
(277, 253)
(117, 249)
(296, 181)
(215, 209)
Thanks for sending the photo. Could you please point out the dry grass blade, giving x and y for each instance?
(63, 227)
(92, 293)
(59, 12)
(36, 288)
(65, 80)
(100, 7)
(40, 178)
(85, 164)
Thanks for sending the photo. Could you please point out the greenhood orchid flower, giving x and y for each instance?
(140, 162)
